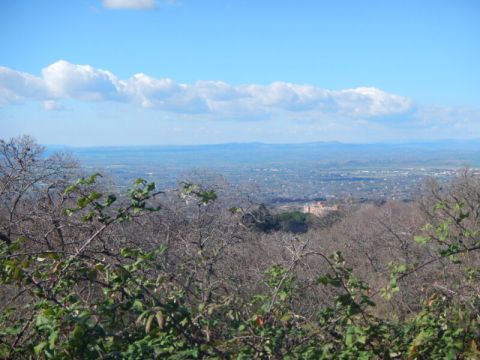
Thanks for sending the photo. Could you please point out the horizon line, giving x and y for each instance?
(329, 142)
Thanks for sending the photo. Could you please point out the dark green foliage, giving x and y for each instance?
(263, 220)
(293, 221)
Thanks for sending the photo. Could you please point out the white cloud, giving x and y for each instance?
(81, 82)
(64, 80)
(17, 86)
(52, 105)
(129, 4)
(370, 101)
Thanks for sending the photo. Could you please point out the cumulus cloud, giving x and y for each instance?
(17, 86)
(372, 101)
(129, 4)
(82, 82)
(64, 80)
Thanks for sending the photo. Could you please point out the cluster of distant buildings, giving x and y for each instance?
(318, 208)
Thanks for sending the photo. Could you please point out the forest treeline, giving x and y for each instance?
(89, 272)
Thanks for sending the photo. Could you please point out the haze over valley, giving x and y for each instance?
(284, 173)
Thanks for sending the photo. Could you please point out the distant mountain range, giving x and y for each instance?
(447, 153)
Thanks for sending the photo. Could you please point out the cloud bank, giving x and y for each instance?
(63, 80)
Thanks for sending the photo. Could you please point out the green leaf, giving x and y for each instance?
(39, 347)
(137, 305)
(149, 322)
(207, 197)
(89, 216)
(139, 181)
(151, 186)
(52, 339)
(42, 320)
(362, 339)
(82, 202)
(91, 179)
(328, 279)
(422, 240)
(110, 200)
(69, 189)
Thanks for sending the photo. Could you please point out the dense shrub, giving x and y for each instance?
(85, 274)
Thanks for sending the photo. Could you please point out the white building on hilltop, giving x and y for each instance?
(318, 208)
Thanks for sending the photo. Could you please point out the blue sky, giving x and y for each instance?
(92, 72)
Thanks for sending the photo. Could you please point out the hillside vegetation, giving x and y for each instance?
(201, 272)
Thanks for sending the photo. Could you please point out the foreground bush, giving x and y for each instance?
(85, 274)
(79, 306)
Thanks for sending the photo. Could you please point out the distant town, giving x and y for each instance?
(292, 174)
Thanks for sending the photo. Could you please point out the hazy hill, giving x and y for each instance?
(448, 153)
